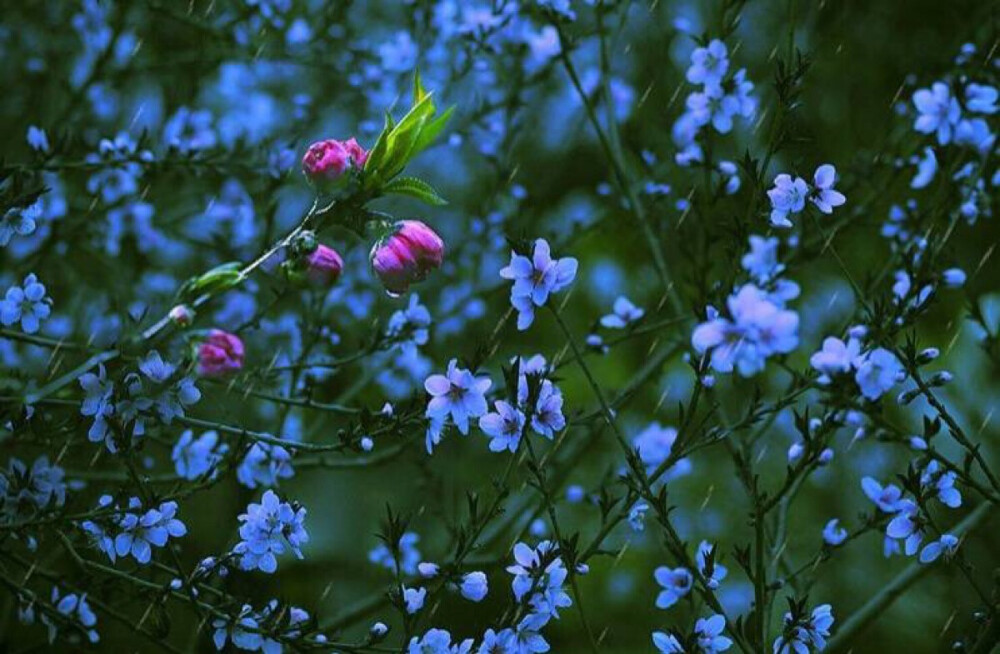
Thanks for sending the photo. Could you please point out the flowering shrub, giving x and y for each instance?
(502, 327)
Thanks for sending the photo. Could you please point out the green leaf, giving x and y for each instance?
(217, 279)
(415, 188)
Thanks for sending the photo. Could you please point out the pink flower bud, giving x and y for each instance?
(406, 255)
(327, 161)
(220, 353)
(323, 266)
(182, 315)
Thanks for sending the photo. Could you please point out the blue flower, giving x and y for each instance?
(946, 545)
(19, 220)
(457, 393)
(535, 279)
(542, 573)
(413, 598)
(709, 64)
(667, 643)
(654, 444)
(787, 197)
(24, 491)
(409, 325)
(833, 534)
(887, 498)
(758, 329)
(194, 457)
(97, 402)
(676, 584)
(714, 574)
(527, 639)
(498, 642)
(265, 465)
(943, 483)
(38, 140)
(907, 526)
(637, 515)
(927, 167)
(938, 111)
(409, 555)
(438, 641)
(474, 586)
(824, 196)
(268, 529)
(548, 418)
(981, 98)
(877, 371)
(503, 427)
(76, 609)
(709, 634)
(836, 357)
(189, 131)
(141, 533)
(762, 259)
(26, 304)
(623, 314)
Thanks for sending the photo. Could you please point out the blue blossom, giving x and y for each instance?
(709, 64)
(623, 314)
(804, 636)
(142, 532)
(265, 465)
(97, 402)
(758, 329)
(457, 393)
(189, 131)
(20, 221)
(708, 632)
(938, 112)
(877, 371)
(26, 491)
(762, 259)
(667, 643)
(731, 174)
(547, 419)
(535, 279)
(438, 641)
(194, 457)
(637, 515)
(498, 642)
(655, 444)
(268, 529)
(834, 534)
(409, 325)
(835, 358)
(26, 304)
(542, 573)
(527, 636)
(907, 526)
(946, 545)
(824, 196)
(927, 167)
(787, 197)
(38, 140)
(887, 497)
(981, 98)
(413, 598)
(474, 586)
(504, 427)
(409, 555)
(712, 574)
(942, 482)
(676, 584)
(76, 609)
